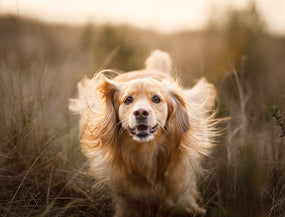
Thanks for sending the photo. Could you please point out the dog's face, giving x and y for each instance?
(146, 108)
(143, 108)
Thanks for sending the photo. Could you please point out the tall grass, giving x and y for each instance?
(246, 177)
(42, 171)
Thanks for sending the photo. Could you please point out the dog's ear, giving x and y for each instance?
(79, 105)
(108, 93)
(178, 121)
(203, 95)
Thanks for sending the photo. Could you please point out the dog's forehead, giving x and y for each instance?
(144, 85)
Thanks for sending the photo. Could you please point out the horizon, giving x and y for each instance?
(185, 15)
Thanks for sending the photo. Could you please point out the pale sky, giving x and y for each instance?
(162, 15)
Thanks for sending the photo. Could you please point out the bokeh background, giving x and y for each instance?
(46, 47)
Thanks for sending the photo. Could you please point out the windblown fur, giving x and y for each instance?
(155, 177)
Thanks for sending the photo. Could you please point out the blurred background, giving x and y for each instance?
(46, 47)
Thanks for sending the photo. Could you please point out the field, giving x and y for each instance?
(42, 171)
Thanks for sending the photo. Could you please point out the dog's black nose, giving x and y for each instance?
(141, 114)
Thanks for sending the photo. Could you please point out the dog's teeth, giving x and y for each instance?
(153, 129)
(133, 131)
(143, 131)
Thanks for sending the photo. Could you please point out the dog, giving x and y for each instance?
(145, 137)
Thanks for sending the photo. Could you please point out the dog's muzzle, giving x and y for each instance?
(143, 131)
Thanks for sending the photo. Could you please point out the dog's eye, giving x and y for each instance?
(155, 99)
(128, 100)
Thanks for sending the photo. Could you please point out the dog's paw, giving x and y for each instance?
(196, 211)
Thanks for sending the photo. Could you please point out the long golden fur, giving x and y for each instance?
(145, 137)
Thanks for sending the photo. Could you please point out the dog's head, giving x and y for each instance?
(146, 108)
(142, 108)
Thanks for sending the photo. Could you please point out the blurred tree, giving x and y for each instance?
(240, 34)
(242, 31)
(87, 38)
(116, 47)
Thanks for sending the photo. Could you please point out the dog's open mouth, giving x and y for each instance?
(142, 131)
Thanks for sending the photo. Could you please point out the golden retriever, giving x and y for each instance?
(145, 137)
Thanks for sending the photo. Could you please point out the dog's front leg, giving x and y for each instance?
(123, 208)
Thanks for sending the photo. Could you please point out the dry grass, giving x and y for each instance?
(42, 171)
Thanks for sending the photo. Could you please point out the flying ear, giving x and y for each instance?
(79, 105)
(107, 92)
(202, 95)
(178, 121)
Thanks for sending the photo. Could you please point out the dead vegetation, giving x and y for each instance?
(43, 173)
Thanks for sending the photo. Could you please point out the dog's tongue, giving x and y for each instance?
(142, 128)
